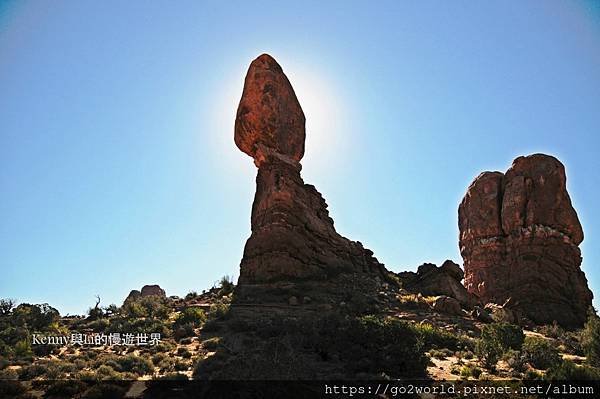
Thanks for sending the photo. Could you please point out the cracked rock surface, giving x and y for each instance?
(519, 239)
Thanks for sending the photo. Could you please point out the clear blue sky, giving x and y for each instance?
(117, 161)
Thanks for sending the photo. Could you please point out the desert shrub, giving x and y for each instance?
(34, 317)
(135, 364)
(440, 353)
(540, 353)
(182, 365)
(32, 371)
(515, 360)
(401, 350)
(218, 310)
(186, 341)
(509, 335)
(590, 338)
(8, 374)
(159, 357)
(163, 346)
(455, 369)
(414, 301)
(173, 377)
(184, 352)
(531, 375)
(567, 370)
(23, 349)
(553, 330)
(141, 325)
(99, 325)
(106, 372)
(434, 337)
(225, 286)
(369, 344)
(194, 316)
(497, 338)
(184, 331)
(166, 364)
(43, 350)
(151, 306)
(470, 370)
(191, 295)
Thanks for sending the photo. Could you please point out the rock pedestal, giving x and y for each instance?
(519, 239)
(293, 238)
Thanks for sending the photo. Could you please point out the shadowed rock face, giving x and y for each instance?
(269, 118)
(293, 237)
(519, 237)
(432, 280)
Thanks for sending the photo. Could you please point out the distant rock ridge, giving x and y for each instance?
(146, 290)
(293, 237)
(433, 281)
(519, 239)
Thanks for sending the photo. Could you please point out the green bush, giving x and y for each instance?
(540, 353)
(182, 365)
(367, 345)
(151, 306)
(194, 316)
(590, 339)
(226, 286)
(106, 372)
(497, 338)
(135, 364)
(515, 360)
(183, 331)
(23, 349)
(566, 370)
(218, 310)
(470, 370)
(184, 352)
(434, 337)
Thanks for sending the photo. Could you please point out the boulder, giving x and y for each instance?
(448, 305)
(269, 120)
(148, 290)
(431, 280)
(519, 239)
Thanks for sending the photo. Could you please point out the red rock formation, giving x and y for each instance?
(432, 281)
(519, 237)
(269, 118)
(293, 237)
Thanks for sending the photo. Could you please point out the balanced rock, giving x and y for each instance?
(431, 280)
(293, 238)
(519, 239)
(269, 120)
